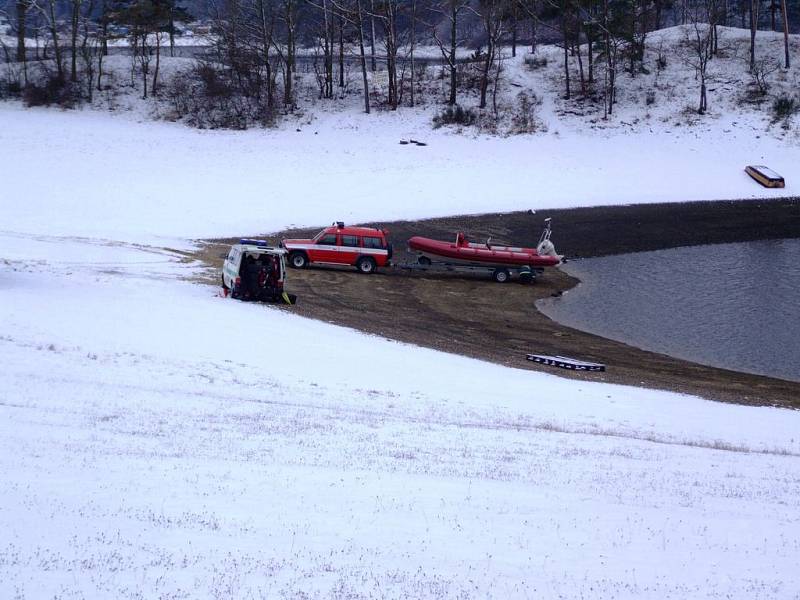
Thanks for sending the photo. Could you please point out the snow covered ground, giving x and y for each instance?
(203, 183)
(159, 441)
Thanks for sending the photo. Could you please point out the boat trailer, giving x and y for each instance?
(501, 274)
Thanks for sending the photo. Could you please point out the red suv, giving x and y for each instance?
(365, 248)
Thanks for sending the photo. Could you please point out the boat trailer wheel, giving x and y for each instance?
(501, 275)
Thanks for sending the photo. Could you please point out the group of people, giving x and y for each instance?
(259, 276)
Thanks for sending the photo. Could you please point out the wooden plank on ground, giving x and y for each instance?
(565, 362)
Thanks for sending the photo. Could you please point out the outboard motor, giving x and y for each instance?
(545, 247)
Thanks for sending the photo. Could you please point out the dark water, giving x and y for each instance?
(735, 306)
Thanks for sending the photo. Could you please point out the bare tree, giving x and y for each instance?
(75, 17)
(566, 42)
(495, 83)
(90, 46)
(326, 38)
(47, 11)
(373, 65)
(785, 19)
(590, 31)
(103, 42)
(288, 50)
(413, 44)
(157, 36)
(492, 20)
(143, 58)
(147, 20)
(611, 45)
(22, 13)
(754, 8)
(387, 14)
(352, 14)
(699, 49)
(514, 21)
(265, 35)
(449, 10)
(360, 28)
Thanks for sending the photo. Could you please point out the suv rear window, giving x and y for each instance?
(373, 242)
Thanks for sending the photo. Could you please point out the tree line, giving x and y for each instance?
(254, 44)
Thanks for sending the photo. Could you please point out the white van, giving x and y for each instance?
(254, 270)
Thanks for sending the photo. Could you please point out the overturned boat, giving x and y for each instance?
(765, 176)
(464, 252)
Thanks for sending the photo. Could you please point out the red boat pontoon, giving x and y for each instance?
(463, 252)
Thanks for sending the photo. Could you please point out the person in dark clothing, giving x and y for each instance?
(249, 277)
(243, 291)
(271, 274)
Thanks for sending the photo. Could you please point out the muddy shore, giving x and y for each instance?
(476, 317)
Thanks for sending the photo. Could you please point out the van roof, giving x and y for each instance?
(260, 249)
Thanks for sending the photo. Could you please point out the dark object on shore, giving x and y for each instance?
(765, 176)
(565, 362)
(418, 143)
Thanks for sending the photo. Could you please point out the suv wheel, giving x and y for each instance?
(365, 265)
(298, 260)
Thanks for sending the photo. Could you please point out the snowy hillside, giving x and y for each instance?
(661, 93)
(331, 161)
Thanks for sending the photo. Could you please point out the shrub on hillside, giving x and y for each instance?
(211, 96)
(11, 80)
(784, 107)
(534, 62)
(10, 88)
(524, 118)
(455, 115)
(50, 89)
(760, 76)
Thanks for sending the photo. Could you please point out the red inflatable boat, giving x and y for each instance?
(464, 252)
